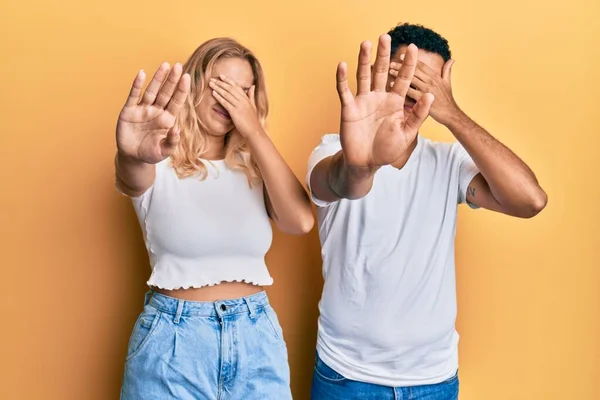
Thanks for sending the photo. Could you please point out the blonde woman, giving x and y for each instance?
(205, 179)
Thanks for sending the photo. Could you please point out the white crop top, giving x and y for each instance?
(204, 232)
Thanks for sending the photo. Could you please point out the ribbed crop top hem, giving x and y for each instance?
(153, 284)
(171, 274)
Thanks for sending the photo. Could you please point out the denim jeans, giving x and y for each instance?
(185, 350)
(329, 385)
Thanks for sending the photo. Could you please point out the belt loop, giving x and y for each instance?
(250, 306)
(179, 311)
(147, 297)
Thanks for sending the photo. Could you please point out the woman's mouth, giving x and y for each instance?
(222, 113)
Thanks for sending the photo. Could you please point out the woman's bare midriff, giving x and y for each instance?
(222, 291)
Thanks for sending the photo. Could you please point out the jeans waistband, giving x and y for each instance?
(179, 307)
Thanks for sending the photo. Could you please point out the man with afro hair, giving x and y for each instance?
(387, 202)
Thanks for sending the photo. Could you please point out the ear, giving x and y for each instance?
(447, 71)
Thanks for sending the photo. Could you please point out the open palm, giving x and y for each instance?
(374, 130)
(146, 129)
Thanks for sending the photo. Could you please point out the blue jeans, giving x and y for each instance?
(185, 350)
(329, 385)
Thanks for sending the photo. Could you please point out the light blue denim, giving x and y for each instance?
(185, 350)
(330, 385)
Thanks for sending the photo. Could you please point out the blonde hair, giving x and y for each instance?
(193, 144)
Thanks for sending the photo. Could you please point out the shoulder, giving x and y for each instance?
(329, 139)
(436, 146)
(328, 145)
(448, 150)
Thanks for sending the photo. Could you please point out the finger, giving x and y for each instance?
(419, 112)
(167, 90)
(155, 84)
(252, 94)
(136, 89)
(224, 93)
(170, 143)
(397, 64)
(343, 90)
(418, 83)
(422, 72)
(223, 101)
(414, 94)
(411, 91)
(447, 71)
(382, 63)
(407, 71)
(423, 76)
(363, 71)
(181, 94)
(234, 87)
(227, 88)
(425, 72)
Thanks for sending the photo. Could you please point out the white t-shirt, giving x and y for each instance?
(388, 308)
(204, 232)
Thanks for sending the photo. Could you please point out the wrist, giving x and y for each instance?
(356, 172)
(254, 135)
(124, 157)
(349, 182)
(457, 120)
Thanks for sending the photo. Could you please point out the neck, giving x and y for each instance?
(401, 162)
(216, 148)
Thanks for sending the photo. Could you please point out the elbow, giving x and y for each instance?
(302, 226)
(305, 224)
(535, 204)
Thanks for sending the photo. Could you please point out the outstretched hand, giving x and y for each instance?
(374, 129)
(146, 128)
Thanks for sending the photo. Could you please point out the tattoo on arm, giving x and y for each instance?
(471, 191)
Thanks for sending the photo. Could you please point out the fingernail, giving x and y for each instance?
(402, 56)
(393, 64)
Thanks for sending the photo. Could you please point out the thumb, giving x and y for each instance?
(447, 71)
(170, 143)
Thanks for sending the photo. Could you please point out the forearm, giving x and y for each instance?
(291, 208)
(133, 177)
(512, 183)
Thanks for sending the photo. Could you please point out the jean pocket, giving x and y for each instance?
(273, 321)
(326, 373)
(142, 331)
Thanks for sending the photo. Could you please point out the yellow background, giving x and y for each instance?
(73, 261)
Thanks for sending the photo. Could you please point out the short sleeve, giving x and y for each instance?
(467, 170)
(330, 145)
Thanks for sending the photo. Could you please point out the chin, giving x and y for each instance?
(216, 128)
